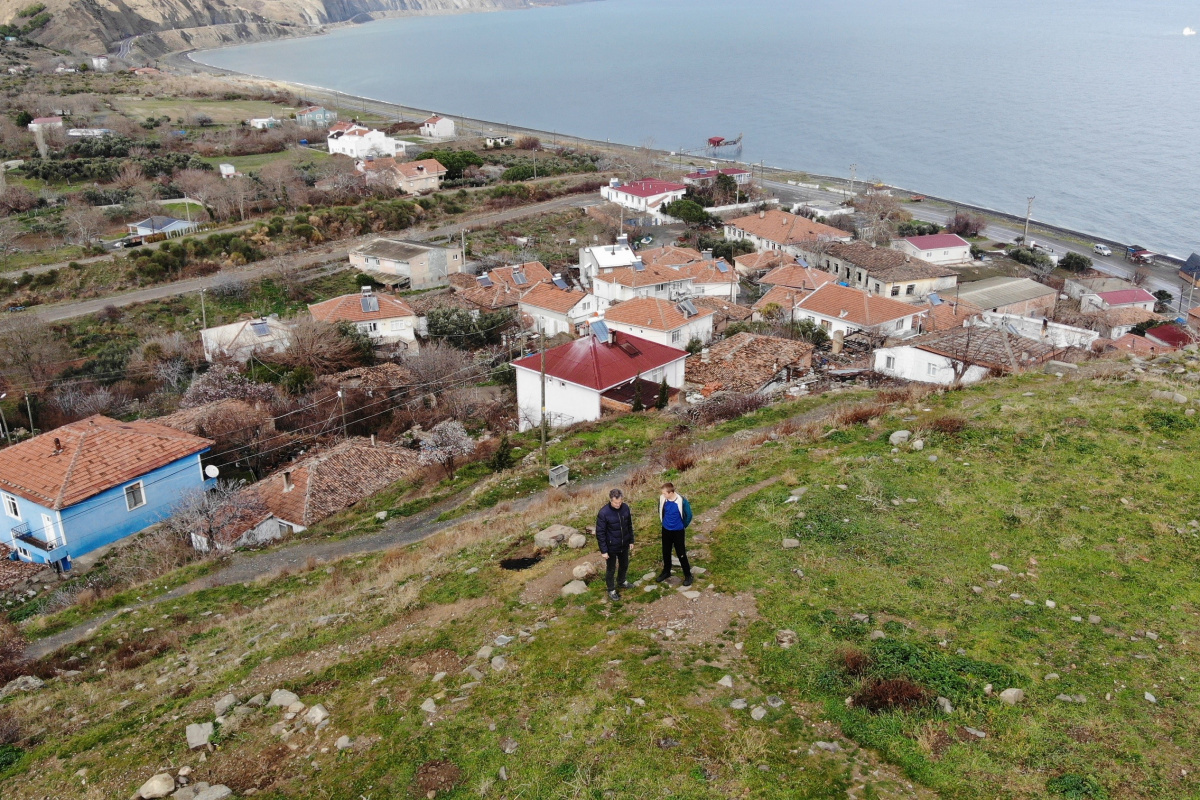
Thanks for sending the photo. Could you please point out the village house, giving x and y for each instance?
(712, 278)
(316, 117)
(1169, 335)
(662, 321)
(882, 270)
(594, 373)
(162, 226)
(1138, 345)
(751, 265)
(263, 123)
(796, 276)
(399, 263)
(1020, 296)
(647, 196)
(1076, 288)
(642, 280)
(749, 363)
(604, 258)
(425, 302)
(552, 309)
(942, 249)
(841, 309)
(673, 256)
(438, 127)
(88, 484)
(388, 321)
(1121, 298)
(704, 177)
(961, 356)
(502, 287)
(45, 123)
(1043, 330)
(238, 341)
(410, 177)
(1115, 323)
(1193, 318)
(779, 230)
(724, 312)
(943, 314)
(305, 492)
(360, 143)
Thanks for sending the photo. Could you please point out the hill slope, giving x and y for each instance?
(1043, 538)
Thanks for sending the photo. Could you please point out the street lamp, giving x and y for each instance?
(3, 421)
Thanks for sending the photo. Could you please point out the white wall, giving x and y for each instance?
(899, 327)
(1052, 333)
(699, 328)
(911, 364)
(373, 143)
(941, 256)
(1093, 302)
(566, 403)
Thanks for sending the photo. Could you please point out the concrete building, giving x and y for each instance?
(410, 177)
(646, 196)
(1075, 288)
(835, 308)
(961, 356)
(1045, 331)
(553, 310)
(642, 280)
(943, 249)
(387, 321)
(162, 226)
(1020, 296)
(882, 270)
(238, 341)
(263, 123)
(45, 123)
(362, 143)
(410, 264)
(604, 258)
(671, 323)
(707, 177)
(1133, 297)
(592, 374)
(779, 230)
(502, 287)
(438, 127)
(316, 117)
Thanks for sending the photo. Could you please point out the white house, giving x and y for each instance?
(159, 225)
(263, 123)
(943, 249)
(590, 374)
(1135, 297)
(662, 321)
(779, 230)
(45, 123)
(437, 127)
(397, 262)
(713, 278)
(238, 341)
(1075, 288)
(100, 63)
(1043, 330)
(707, 177)
(840, 308)
(555, 310)
(604, 258)
(881, 270)
(642, 280)
(227, 170)
(647, 196)
(385, 319)
(359, 142)
(961, 355)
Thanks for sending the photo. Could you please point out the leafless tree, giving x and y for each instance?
(883, 214)
(321, 347)
(1140, 276)
(281, 182)
(444, 443)
(129, 176)
(31, 353)
(440, 365)
(213, 520)
(10, 231)
(199, 185)
(84, 224)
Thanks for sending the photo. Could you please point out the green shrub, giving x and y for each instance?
(1076, 787)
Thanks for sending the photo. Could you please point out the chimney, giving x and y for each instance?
(707, 255)
(704, 355)
(287, 482)
(907, 258)
(372, 440)
(58, 448)
(762, 215)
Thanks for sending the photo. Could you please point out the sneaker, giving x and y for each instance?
(614, 596)
(663, 578)
(626, 585)
(687, 580)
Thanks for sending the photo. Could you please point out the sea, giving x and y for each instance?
(1091, 107)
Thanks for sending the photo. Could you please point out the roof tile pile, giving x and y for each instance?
(746, 362)
(886, 264)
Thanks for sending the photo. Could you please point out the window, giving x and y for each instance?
(135, 496)
(890, 362)
(676, 336)
(397, 324)
(877, 287)
(660, 287)
(825, 325)
(10, 507)
(284, 529)
(895, 291)
(23, 553)
(368, 327)
(859, 278)
(931, 368)
(911, 289)
(585, 306)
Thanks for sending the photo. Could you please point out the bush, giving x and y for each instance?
(677, 457)
(726, 406)
(502, 459)
(1031, 258)
(1075, 262)
(1076, 787)
(966, 224)
(855, 662)
(896, 694)
(12, 651)
(949, 424)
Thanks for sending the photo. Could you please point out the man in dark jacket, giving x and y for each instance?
(614, 535)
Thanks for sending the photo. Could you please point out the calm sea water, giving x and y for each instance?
(1093, 106)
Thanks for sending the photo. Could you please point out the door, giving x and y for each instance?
(49, 532)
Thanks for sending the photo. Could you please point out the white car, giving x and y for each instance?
(1102, 250)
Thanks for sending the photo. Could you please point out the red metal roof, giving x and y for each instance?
(1124, 297)
(1170, 335)
(600, 365)
(651, 187)
(937, 240)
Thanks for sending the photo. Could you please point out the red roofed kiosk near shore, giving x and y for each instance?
(580, 373)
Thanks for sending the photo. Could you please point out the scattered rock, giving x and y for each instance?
(484, 652)
(799, 492)
(828, 747)
(503, 774)
(282, 697)
(585, 571)
(160, 785)
(933, 459)
(1076, 619)
(502, 640)
(508, 745)
(786, 638)
(576, 541)
(1150, 698)
(25, 683)
(553, 536)
(1152, 636)
(1093, 619)
(977, 589)
(757, 713)
(198, 734)
(649, 576)
(316, 715)
(860, 617)
(381, 515)
(739, 704)
(975, 732)
(999, 568)
(573, 588)
(256, 701)
(668, 743)
(1051, 676)
(1051, 604)
(791, 544)
(945, 706)
(918, 444)
(429, 706)
(727, 682)
(218, 792)
(693, 595)
(987, 690)
(878, 635)
(1012, 696)
(222, 706)
(343, 743)
(774, 701)
(499, 663)
(899, 437)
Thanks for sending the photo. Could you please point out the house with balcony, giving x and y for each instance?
(642, 280)
(359, 142)
(316, 117)
(413, 265)
(93, 482)
(779, 230)
(646, 196)
(552, 308)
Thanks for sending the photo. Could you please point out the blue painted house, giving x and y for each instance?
(90, 483)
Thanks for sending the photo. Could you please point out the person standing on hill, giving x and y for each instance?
(675, 512)
(614, 535)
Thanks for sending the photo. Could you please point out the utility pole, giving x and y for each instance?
(203, 315)
(29, 413)
(342, 403)
(4, 422)
(542, 345)
(1028, 214)
(853, 176)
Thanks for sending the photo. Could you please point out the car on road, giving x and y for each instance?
(1102, 250)
(16, 308)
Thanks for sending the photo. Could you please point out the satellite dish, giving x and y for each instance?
(211, 471)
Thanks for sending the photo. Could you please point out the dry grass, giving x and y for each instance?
(896, 694)
(677, 457)
(948, 424)
(854, 662)
(859, 414)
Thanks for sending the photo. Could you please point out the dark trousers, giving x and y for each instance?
(618, 559)
(674, 539)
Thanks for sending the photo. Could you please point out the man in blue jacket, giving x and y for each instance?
(614, 535)
(675, 512)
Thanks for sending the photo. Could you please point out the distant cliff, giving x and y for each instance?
(101, 26)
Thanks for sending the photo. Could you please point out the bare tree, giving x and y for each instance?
(84, 224)
(31, 353)
(281, 182)
(439, 365)
(883, 215)
(199, 185)
(444, 443)
(10, 231)
(321, 347)
(1140, 276)
(214, 520)
(129, 176)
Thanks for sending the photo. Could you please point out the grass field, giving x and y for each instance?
(255, 162)
(1043, 538)
(185, 111)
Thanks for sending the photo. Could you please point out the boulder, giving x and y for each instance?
(25, 683)
(218, 792)
(282, 697)
(186, 793)
(791, 544)
(1010, 697)
(256, 701)
(757, 713)
(918, 445)
(499, 663)
(552, 537)
(774, 701)
(739, 704)
(222, 706)
(343, 743)
(786, 638)
(576, 541)
(429, 706)
(199, 734)
(899, 437)
(573, 588)
(585, 571)
(727, 682)
(160, 785)
(944, 704)
(316, 715)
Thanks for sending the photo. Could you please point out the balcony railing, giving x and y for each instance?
(24, 534)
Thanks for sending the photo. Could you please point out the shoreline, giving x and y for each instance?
(471, 127)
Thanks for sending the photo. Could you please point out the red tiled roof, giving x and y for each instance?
(949, 314)
(783, 296)
(670, 256)
(421, 169)
(552, 298)
(746, 361)
(1123, 297)
(724, 308)
(650, 187)
(784, 228)
(504, 292)
(650, 312)
(349, 308)
(937, 240)
(765, 259)
(855, 305)
(796, 277)
(988, 347)
(602, 365)
(45, 120)
(1139, 344)
(653, 274)
(94, 454)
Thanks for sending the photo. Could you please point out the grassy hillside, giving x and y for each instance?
(1043, 539)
